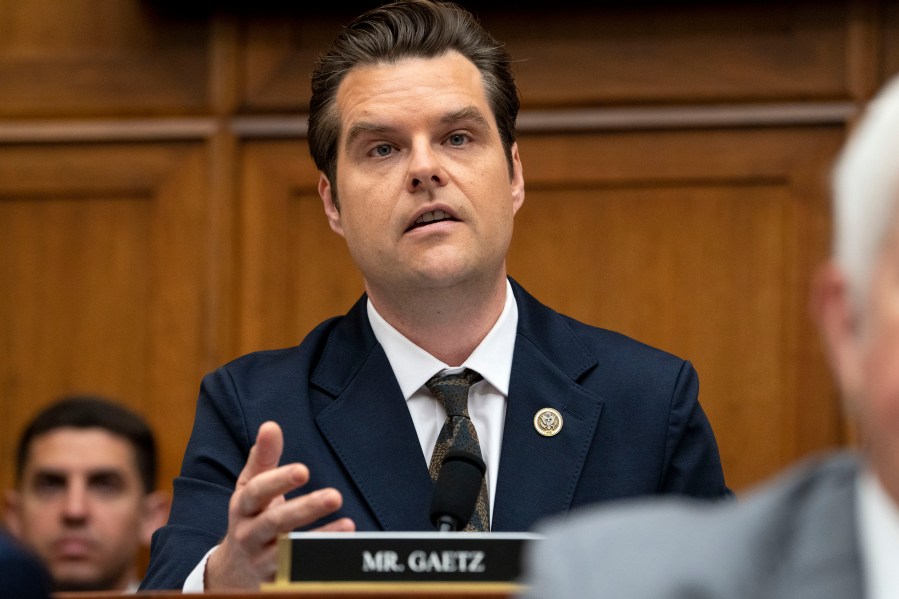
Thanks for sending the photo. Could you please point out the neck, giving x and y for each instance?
(448, 323)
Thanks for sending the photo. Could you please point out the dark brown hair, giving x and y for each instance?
(87, 411)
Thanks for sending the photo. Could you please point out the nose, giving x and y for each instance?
(426, 171)
(75, 506)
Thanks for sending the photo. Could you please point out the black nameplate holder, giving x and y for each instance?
(363, 559)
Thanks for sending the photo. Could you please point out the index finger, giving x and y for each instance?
(261, 490)
(265, 453)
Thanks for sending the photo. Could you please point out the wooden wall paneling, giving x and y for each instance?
(84, 57)
(864, 50)
(181, 255)
(890, 40)
(295, 270)
(221, 215)
(279, 57)
(574, 56)
(102, 258)
(677, 52)
(697, 242)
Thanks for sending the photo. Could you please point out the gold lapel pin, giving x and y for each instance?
(548, 422)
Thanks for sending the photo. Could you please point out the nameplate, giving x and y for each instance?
(411, 557)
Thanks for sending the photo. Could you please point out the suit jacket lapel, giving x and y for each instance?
(538, 475)
(369, 426)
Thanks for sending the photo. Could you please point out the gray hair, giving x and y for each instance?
(866, 191)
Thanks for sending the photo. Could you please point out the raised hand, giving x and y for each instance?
(258, 513)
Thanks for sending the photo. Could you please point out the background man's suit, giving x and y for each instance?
(795, 538)
(21, 574)
(632, 426)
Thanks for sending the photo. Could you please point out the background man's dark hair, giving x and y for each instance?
(88, 411)
(397, 31)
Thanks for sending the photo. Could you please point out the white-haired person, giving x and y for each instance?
(829, 526)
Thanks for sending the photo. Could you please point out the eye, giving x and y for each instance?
(382, 150)
(107, 483)
(47, 484)
(457, 139)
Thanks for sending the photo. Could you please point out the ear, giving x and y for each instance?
(839, 321)
(155, 513)
(12, 512)
(331, 210)
(517, 180)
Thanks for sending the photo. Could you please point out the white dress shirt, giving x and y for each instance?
(492, 359)
(413, 367)
(878, 517)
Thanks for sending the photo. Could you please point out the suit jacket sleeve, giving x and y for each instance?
(692, 463)
(215, 455)
(21, 573)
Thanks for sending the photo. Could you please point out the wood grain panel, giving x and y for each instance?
(295, 270)
(702, 245)
(890, 41)
(279, 57)
(684, 205)
(84, 57)
(101, 286)
(677, 52)
(570, 56)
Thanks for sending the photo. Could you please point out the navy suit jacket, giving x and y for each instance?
(22, 575)
(632, 426)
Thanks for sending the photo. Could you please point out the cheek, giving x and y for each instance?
(123, 512)
(881, 380)
(40, 523)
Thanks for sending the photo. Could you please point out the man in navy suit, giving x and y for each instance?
(412, 126)
(22, 575)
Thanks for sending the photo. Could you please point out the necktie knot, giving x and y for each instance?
(452, 390)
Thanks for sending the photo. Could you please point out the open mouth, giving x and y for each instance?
(429, 218)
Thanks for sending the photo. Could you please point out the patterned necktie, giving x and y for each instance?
(458, 432)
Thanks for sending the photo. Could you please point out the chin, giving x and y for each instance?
(79, 578)
(69, 585)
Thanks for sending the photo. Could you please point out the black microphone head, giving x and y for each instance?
(456, 490)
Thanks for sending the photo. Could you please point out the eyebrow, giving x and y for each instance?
(57, 473)
(361, 127)
(468, 113)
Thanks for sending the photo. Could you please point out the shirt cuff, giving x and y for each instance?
(195, 580)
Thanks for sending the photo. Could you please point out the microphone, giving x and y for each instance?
(456, 490)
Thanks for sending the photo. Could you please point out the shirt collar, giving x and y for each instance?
(879, 535)
(413, 366)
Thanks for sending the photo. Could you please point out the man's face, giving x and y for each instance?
(864, 344)
(81, 507)
(426, 198)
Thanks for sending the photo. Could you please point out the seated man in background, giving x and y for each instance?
(829, 528)
(84, 498)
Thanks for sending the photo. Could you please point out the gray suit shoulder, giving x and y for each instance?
(791, 537)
